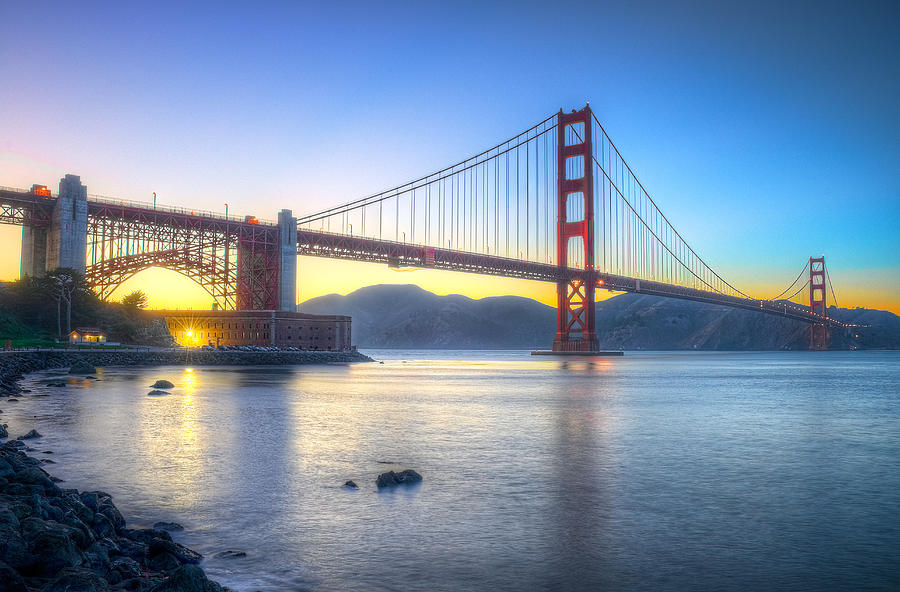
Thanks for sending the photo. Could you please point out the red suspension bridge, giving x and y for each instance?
(556, 203)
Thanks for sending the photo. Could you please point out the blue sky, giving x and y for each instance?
(767, 132)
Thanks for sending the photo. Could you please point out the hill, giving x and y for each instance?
(406, 316)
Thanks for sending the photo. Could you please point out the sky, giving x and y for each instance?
(767, 132)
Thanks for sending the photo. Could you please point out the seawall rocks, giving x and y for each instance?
(15, 364)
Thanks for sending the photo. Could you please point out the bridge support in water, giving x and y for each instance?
(818, 332)
(64, 242)
(575, 317)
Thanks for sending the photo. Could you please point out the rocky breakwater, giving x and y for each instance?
(15, 364)
(56, 540)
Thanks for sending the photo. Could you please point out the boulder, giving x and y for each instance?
(164, 562)
(170, 526)
(10, 580)
(30, 435)
(13, 549)
(157, 393)
(180, 552)
(91, 500)
(145, 535)
(37, 476)
(110, 511)
(132, 549)
(82, 367)
(187, 578)
(391, 479)
(77, 580)
(3, 431)
(97, 558)
(127, 568)
(52, 546)
(162, 384)
(351, 485)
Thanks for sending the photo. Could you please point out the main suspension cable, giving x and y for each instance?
(786, 290)
(440, 175)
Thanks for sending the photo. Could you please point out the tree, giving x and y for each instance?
(61, 283)
(136, 299)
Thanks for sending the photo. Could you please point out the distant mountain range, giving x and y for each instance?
(408, 317)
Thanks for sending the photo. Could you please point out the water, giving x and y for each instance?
(670, 471)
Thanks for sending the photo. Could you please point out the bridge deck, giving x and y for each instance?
(16, 205)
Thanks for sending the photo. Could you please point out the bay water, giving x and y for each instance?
(653, 471)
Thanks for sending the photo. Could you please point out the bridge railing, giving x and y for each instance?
(175, 209)
(150, 206)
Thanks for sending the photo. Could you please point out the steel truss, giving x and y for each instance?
(235, 262)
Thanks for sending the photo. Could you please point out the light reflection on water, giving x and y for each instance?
(652, 471)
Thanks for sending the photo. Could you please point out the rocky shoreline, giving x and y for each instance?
(15, 364)
(62, 540)
(54, 539)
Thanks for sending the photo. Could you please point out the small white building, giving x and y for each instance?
(87, 335)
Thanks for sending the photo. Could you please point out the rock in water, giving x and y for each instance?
(3, 432)
(82, 367)
(170, 526)
(30, 435)
(390, 479)
(156, 393)
(162, 384)
(351, 485)
(229, 554)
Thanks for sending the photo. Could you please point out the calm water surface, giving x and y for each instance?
(670, 471)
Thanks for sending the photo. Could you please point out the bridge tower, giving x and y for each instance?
(818, 332)
(64, 243)
(575, 308)
(267, 271)
(287, 268)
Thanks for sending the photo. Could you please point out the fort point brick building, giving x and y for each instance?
(259, 327)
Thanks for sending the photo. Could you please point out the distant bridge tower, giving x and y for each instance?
(575, 307)
(818, 331)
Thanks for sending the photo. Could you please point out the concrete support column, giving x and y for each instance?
(33, 261)
(67, 238)
(287, 268)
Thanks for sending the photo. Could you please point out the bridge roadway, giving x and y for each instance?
(17, 205)
(338, 246)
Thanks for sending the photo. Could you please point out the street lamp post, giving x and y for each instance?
(226, 211)
(154, 200)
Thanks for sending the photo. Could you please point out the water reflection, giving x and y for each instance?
(662, 472)
(173, 442)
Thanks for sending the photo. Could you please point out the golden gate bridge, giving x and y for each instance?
(556, 203)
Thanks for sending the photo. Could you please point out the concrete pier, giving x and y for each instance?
(67, 239)
(64, 243)
(33, 261)
(287, 269)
